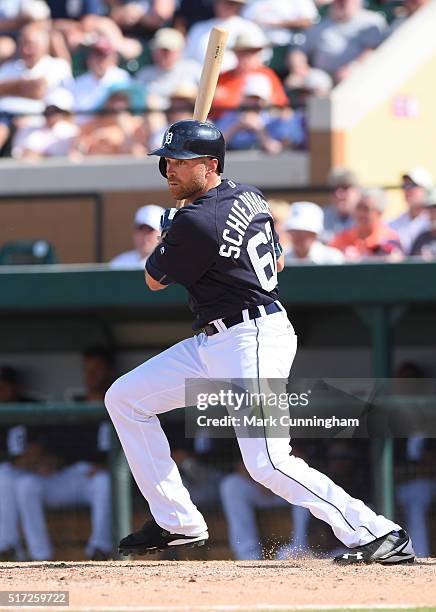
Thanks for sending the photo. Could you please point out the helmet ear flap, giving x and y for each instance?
(163, 166)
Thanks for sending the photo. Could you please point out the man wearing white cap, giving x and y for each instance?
(414, 221)
(145, 234)
(169, 69)
(304, 224)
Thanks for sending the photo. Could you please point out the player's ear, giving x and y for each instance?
(211, 165)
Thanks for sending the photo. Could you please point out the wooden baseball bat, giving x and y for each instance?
(210, 72)
(209, 77)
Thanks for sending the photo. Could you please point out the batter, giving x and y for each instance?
(223, 249)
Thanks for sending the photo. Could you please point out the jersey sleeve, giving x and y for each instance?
(186, 252)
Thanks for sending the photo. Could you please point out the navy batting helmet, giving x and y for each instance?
(190, 139)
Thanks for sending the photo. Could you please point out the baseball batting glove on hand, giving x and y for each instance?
(278, 250)
(166, 220)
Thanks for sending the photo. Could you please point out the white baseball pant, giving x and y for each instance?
(257, 348)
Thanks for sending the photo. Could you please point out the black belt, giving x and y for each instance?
(253, 313)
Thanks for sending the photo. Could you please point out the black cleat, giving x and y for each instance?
(152, 538)
(100, 555)
(391, 549)
(8, 554)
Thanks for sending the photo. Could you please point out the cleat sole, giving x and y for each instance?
(153, 551)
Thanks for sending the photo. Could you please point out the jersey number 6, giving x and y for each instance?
(267, 261)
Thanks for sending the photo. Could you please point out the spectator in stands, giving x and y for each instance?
(55, 137)
(303, 78)
(169, 69)
(145, 238)
(425, 243)
(370, 236)
(346, 191)
(90, 89)
(304, 225)
(85, 479)
(342, 40)
(256, 127)
(414, 221)
(228, 16)
(280, 212)
(22, 447)
(141, 18)
(190, 12)
(280, 19)
(116, 131)
(241, 496)
(30, 78)
(248, 48)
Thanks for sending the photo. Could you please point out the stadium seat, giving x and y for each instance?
(25, 252)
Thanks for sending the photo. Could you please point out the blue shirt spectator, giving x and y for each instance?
(260, 128)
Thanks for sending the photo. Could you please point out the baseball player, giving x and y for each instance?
(222, 247)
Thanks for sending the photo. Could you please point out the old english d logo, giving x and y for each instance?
(168, 138)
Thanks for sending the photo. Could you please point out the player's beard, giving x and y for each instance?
(188, 190)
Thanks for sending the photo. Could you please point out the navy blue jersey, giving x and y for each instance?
(221, 248)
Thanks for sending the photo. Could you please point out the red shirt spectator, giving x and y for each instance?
(370, 236)
(248, 50)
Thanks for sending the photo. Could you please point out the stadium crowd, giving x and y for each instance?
(350, 228)
(105, 77)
